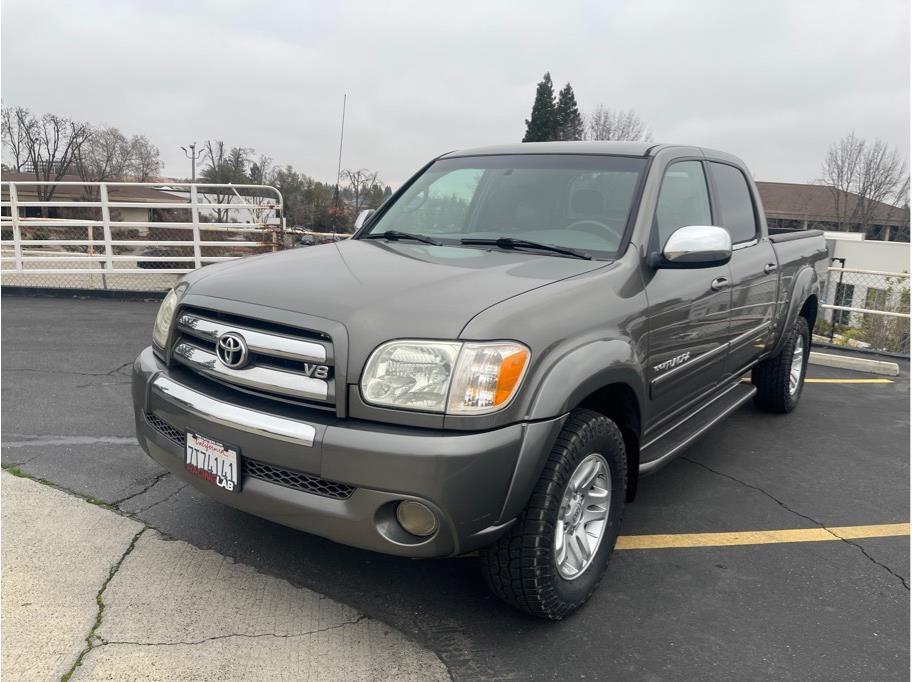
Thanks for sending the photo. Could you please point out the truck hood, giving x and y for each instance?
(382, 290)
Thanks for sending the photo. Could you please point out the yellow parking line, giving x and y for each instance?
(754, 537)
(760, 537)
(849, 381)
(809, 380)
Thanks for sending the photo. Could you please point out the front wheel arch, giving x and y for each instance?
(619, 403)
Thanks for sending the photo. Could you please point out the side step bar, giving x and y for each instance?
(666, 446)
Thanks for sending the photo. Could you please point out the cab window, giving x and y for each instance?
(683, 200)
(733, 198)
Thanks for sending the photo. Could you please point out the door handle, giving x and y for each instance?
(770, 267)
(720, 283)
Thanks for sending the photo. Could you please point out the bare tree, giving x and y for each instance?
(225, 166)
(261, 170)
(840, 172)
(47, 146)
(863, 176)
(15, 134)
(260, 173)
(106, 155)
(145, 163)
(359, 184)
(608, 124)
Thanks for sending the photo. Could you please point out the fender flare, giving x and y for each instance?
(584, 370)
(807, 284)
(576, 375)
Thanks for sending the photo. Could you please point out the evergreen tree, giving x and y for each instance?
(569, 121)
(542, 124)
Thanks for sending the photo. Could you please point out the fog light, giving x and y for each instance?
(416, 518)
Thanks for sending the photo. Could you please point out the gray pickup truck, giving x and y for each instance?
(491, 362)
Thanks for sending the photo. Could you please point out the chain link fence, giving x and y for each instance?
(865, 309)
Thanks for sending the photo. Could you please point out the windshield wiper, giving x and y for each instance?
(510, 243)
(396, 235)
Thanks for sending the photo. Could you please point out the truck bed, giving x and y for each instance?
(778, 235)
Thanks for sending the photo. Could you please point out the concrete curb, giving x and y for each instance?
(90, 594)
(890, 369)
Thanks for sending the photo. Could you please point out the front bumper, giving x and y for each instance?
(475, 482)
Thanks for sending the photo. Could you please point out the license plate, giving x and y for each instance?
(214, 462)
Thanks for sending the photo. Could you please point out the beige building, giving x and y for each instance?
(814, 207)
(75, 193)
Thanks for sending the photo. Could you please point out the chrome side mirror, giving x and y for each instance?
(362, 217)
(696, 246)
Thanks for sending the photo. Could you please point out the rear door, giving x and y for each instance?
(755, 279)
(688, 309)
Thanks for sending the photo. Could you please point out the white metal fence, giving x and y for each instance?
(120, 235)
(866, 309)
(144, 236)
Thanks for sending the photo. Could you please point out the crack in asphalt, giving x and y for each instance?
(155, 504)
(14, 470)
(308, 633)
(789, 509)
(115, 504)
(105, 383)
(23, 461)
(91, 640)
(155, 480)
(41, 370)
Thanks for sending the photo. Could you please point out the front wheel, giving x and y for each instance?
(780, 379)
(554, 556)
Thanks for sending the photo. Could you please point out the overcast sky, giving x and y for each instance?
(772, 81)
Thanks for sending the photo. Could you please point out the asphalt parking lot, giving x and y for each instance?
(834, 609)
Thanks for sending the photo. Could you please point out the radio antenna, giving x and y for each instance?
(339, 167)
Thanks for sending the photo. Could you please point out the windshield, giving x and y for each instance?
(571, 201)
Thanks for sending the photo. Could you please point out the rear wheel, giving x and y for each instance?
(780, 379)
(554, 556)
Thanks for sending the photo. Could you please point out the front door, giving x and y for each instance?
(688, 309)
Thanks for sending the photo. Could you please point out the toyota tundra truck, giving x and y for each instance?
(491, 362)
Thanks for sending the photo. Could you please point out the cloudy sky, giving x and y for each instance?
(773, 81)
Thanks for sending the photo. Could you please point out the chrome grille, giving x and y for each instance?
(265, 472)
(280, 364)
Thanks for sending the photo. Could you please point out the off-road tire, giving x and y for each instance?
(520, 567)
(771, 377)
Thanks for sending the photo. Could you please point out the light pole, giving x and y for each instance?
(192, 154)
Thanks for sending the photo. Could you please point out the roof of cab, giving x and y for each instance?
(641, 149)
(568, 147)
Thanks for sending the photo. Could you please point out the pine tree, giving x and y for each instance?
(569, 121)
(542, 124)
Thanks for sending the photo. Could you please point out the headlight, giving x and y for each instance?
(444, 376)
(162, 326)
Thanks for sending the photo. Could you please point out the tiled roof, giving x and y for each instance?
(75, 192)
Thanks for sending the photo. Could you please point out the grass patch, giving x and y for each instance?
(14, 470)
(100, 503)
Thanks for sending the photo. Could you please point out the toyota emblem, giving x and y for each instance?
(231, 349)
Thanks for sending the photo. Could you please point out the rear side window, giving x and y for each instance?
(683, 199)
(736, 210)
